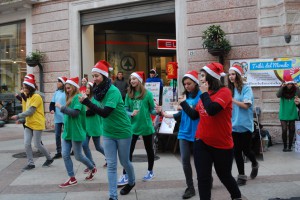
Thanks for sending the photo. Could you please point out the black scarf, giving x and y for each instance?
(101, 89)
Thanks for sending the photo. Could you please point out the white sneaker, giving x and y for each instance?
(149, 176)
(123, 180)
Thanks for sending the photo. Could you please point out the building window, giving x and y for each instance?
(12, 63)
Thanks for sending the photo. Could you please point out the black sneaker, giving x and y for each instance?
(47, 163)
(57, 156)
(254, 171)
(241, 180)
(189, 193)
(125, 190)
(28, 167)
(285, 150)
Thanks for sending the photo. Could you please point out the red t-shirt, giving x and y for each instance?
(216, 130)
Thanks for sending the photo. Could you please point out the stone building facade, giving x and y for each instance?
(255, 29)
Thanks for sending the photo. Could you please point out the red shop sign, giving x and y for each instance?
(166, 44)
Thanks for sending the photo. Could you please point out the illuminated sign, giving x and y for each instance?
(166, 44)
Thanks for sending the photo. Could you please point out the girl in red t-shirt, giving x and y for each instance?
(214, 144)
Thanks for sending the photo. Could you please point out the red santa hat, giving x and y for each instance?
(140, 75)
(63, 79)
(287, 77)
(29, 82)
(101, 67)
(237, 69)
(30, 76)
(73, 81)
(91, 84)
(215, 69)
(192, 75)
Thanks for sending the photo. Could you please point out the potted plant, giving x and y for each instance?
(34, 58)
(214, 41)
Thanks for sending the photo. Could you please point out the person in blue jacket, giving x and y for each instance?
(187, 129)
(58, 97)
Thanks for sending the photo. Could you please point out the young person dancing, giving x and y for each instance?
(242, 122)
(187, 129)
(140, 105)
(34, 123)
(60, 97)
(116, 127)
(74, 132)
(93, 127)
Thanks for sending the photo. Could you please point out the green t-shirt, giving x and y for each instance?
(117, 124)
(288, 109)
(141, 124)
(94, 126)
(74, 127)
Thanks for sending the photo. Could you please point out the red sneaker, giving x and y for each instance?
(72, 181)
(86, 171)
(91, 174)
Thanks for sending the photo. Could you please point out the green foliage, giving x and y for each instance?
(214, 38)
(35, 56)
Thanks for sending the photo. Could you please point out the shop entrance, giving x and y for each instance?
(126, 36)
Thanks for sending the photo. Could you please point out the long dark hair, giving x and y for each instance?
(214, 84)
(62, 87)
(192, 94)
(239, 82)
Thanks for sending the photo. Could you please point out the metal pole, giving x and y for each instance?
(41, 77)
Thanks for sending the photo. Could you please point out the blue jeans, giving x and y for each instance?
(58, 128)
(86, 148)
(185, 153)
(67, 145)
(112, 147)
(205, 157)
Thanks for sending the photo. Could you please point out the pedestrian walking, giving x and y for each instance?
(214, 143)
(74, 132)
(140, 105)
(288, 111)
(34, 124)
(187, 129)
(242, 123)
(94, 127)
(58, 97)
(116, 127)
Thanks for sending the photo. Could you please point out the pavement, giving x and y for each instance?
(278, 177)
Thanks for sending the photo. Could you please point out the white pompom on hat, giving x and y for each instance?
(102, 67)
(73, 81)
(192, 75)
(91, 84)
(215, 69)
(140, 75)
(237, 69)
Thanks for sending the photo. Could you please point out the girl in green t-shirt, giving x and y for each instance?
(74, 132)
(288, 111)
(140, 105)
(93, 122)
(116, 127)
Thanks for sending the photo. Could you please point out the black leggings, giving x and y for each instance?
(148, 141)
(242, 144)
(284, 126)
(205, 157)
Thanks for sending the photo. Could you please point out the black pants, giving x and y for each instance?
(205, 157)
(285, 125)
(242, 144)
(148, 141)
